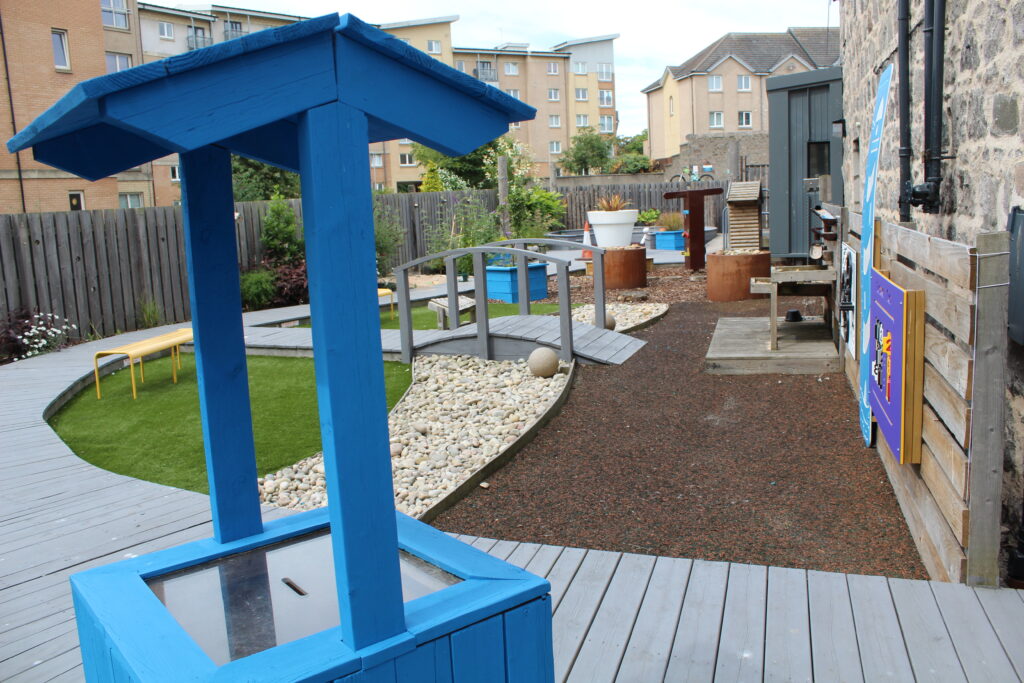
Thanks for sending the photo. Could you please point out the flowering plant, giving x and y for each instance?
(25, 335)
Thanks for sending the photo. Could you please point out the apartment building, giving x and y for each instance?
(48, 47)
(721, 89)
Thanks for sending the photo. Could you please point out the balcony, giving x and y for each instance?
(488, 75)
(198, 42)
(232, 33)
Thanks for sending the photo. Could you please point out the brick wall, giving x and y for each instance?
(983, 102)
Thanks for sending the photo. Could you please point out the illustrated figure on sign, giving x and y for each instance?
(883, 359)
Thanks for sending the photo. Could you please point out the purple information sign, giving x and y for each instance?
(886, 358)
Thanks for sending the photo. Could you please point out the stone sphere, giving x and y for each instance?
(609, 321)
(543, 362)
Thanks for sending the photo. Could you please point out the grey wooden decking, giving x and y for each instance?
(514, 336)
(617, 616)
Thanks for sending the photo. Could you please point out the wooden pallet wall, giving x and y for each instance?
(935, 496)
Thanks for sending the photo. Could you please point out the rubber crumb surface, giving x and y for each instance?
(657, 457)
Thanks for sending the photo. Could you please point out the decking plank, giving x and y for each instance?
(695, 649)
(882, 652)
(741, 644)
(787, 644)
(650, 644)
(1006, 615)
(578, 606)
(562, 572)
(543, 561)
(523, 554)
(836, 656)
(980, 651)
(502, 549)
(928, 643)
(602, 649)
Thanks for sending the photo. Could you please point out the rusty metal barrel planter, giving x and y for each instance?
(625, 268)
(729, 275)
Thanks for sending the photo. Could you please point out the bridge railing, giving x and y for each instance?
(478, 254)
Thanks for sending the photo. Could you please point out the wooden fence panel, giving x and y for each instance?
(10, 298)
(641, 196)
(92, 275)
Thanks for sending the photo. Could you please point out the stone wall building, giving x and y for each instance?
(982, 131)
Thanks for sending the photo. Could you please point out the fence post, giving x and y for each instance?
(600, 315)
(565, 311)
(404, 314)
(523, 279)
(451, 276)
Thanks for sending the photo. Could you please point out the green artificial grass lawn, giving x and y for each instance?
(158, 437)
(425, 319)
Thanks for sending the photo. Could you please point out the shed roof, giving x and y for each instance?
(246, 95)
(744, 191)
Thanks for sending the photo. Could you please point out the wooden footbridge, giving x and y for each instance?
(617, 616)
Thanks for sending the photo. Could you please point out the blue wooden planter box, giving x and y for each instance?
(669, 239)
(503, 285)
(492, 624)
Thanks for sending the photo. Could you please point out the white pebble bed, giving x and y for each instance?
(459, 413)
(627, 316)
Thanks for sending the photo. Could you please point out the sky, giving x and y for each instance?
(652, 34)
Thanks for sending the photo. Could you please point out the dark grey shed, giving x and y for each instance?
(801, 145)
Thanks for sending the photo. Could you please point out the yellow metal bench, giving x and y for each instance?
(136, 350)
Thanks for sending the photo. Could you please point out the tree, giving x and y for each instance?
(631, 163)
(254, 181)
(431, 180)
(469, 167)
(587, 150)
(632, 144)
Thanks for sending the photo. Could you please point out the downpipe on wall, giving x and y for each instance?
(926, 195)
(903, 94)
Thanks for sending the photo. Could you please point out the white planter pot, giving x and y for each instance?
(613, 228)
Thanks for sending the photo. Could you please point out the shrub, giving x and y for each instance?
(258, 289)
(291, 283)
(431, 179)
(387, 236)
(149, 313)
(648, 217)
(280, 237)
(25, 334)
(535, 211)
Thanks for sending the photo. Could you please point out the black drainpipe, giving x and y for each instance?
(903, 29)
(926, 195)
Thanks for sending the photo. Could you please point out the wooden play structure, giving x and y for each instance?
(513, 336)
(352, 592)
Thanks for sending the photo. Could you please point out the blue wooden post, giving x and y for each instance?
(209, 213)
(338, 223)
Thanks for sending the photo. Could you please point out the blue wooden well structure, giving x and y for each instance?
(401, 601)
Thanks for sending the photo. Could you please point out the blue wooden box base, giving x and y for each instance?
(503, 285)
(669, 239)
(493, 625)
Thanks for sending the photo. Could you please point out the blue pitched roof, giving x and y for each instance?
(246, 95)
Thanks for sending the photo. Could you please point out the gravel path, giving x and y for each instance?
(655, 456)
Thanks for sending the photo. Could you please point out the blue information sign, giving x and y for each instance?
(867, 248)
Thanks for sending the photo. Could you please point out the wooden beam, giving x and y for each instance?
(343, 305)
(215, 292)
(987, 436)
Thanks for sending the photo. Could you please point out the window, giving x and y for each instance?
(515, 125)
(553, 68)
(405, 159)
(175, 174)
(196, 38)
(166, 30)
(115, 13)
(743, 83)
(671, 107)
(118, 62)
(61, 58)
(405, 141)
(714, 84)
(554, 121)
(76, 200)
(378, 187)
(744, 119)
(233, 29)
(434, 47)
(130, 200)
(553, 95)
(582, 120)
(513, 92)
(460, 64)
(511, 68)
(555, 147)
(579, 67)
(604, 72)
(376, 160)
(715, 119)
(817, 159)
(605, 98)
(582, 95)
(607, 124)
